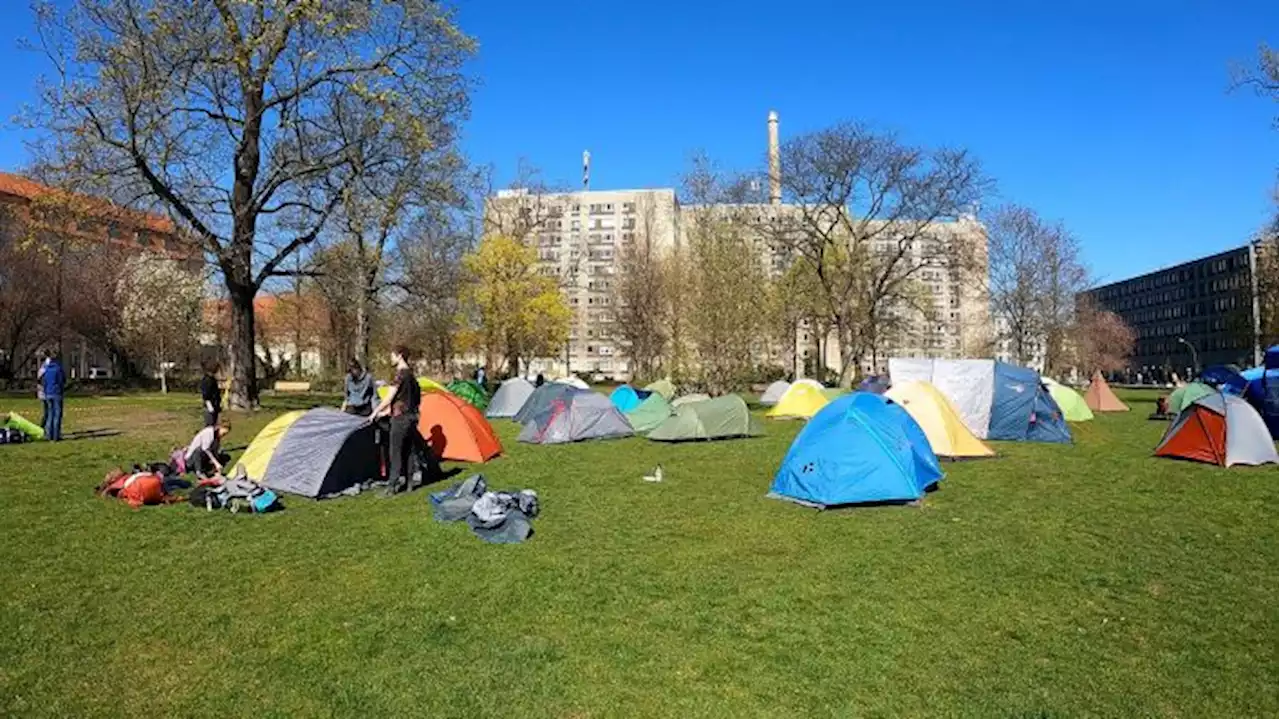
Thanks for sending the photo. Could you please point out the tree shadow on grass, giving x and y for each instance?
(91, 434)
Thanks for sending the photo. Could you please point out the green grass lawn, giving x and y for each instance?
(1053, 581)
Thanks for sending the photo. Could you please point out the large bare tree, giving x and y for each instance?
(1035, 276)
(863, 210)
(227, 113)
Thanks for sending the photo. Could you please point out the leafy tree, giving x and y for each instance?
(517, 312)
(641, 299)
(161, 310)
(233, 116)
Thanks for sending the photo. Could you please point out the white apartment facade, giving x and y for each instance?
(581, 238)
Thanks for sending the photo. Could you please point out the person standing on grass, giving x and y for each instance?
(211, 394)
(204, 454)
(401, 406)
(480, 375)
(357, 397)
(44, 403)
(53, 381)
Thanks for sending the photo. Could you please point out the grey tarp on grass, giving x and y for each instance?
(576, 417)
(720, 418)
(509, 398)
(324, 452)
(774, 392)
(542, 398)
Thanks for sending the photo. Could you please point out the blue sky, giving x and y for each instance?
(1112, 117)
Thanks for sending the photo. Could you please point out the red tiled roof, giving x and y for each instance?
(28, 189)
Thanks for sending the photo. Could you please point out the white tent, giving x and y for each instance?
(572, 382)
(774, 392)
(968, 383)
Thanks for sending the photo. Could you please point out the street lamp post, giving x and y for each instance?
(1195, 358)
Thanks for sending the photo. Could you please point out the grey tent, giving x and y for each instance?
(542, 398)
(720, 418)
(689, 399)
(774, 392)
(509, 398)
(575, 417)
(314, 453)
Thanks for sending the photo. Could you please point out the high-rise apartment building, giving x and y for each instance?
(581, 238)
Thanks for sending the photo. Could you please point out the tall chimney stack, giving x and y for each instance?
(775, 162)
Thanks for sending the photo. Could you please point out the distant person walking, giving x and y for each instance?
(480, 375)
(401, 406)
(358, 394)
(53, 381)
(211, 394)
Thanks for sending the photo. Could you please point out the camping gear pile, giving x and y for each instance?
(995, 399)
(17, 429)
(495, 517)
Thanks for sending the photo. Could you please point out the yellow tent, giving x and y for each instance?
(938, 418)
(426, 383)
(801, 401)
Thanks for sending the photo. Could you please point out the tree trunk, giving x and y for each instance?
(244, 386)
(362, 327)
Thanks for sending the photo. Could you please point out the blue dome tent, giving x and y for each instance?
(859, 448)
(1023, 409)
(626, 398)
(1263, 389)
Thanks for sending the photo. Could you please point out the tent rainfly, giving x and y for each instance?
(774, 392)
(948, 437)
(1219, 429)
(720, 418)
(314, 453)
(650, 413)
(576, 417)
(1100, 398)
(509, 398)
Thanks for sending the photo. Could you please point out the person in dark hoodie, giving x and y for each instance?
(210, 394)
(54, 382)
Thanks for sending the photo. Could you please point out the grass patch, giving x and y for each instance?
(1090, 580)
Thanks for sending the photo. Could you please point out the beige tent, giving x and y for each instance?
(1100, 398)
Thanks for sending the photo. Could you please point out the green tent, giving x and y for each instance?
(833, 392)
(1183, 396)
(662, 387)
(1073, 406)
(650, 413)
(471, 392)
(719, 418)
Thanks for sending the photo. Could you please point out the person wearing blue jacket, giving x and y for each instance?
(53, 381)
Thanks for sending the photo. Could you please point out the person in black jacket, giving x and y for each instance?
(210, 394)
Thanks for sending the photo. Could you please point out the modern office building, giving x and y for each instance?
(581, 238)
(1195, 314)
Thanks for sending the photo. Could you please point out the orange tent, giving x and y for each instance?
(455, 430)
(1100, 398)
